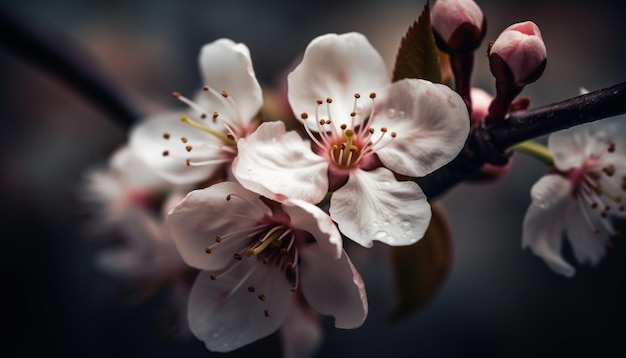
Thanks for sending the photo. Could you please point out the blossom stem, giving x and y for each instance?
(535, 150)
(462, 64)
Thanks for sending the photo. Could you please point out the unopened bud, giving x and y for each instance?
(458, 25)
(518, 56)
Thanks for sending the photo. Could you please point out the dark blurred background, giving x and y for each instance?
(498, 301)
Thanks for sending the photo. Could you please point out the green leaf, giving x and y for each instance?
(418, 55)
(420, 269)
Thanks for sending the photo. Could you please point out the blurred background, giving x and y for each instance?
(498, 300)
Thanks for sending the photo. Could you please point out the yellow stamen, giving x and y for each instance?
(223, 137)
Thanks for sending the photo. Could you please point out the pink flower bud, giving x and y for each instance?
(518, 56)
(459, 25)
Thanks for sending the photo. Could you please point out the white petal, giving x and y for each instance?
(226, 66)
(301, 333)
(374, 206)
(588, 246)
(226, 316)
(550, 190)
(431, 122)
(134, 170)
(279, 165)
(148, 142)
(570, 147)
(544, 223)
(336, 66)
(310, 218)
(613, 130)
(333, 287)
(205, 214)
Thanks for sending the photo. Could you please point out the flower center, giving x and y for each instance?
(273, 243)
(347, 146)
(599, 188)
(227, 127)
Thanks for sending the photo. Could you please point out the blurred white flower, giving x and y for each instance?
(131, 203)
(580, 196)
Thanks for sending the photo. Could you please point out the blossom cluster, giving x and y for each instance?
(258, 214)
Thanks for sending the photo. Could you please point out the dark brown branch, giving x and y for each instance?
(489, 144)
(58, 56)
(524, 125)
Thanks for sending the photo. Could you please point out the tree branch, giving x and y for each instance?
(524, 125)
(488, 145)
(55, 54)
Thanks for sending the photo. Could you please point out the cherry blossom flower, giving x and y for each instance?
(132, 199)
(580, 196)
(364, 130)
(193, 147)
(258, 258)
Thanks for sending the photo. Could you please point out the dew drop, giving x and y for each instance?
(392, 112)
(401, 114)
(405, 223)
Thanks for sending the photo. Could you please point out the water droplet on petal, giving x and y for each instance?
(401, 114)
(380, 235)
(392, 112)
